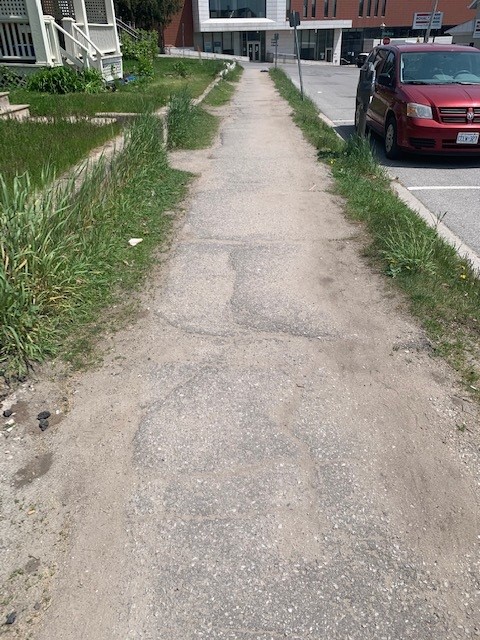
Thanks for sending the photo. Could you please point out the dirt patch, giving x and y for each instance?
(36, 468)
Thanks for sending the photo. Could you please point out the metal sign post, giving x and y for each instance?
(295, 22)
(430, 22)
(274, 43)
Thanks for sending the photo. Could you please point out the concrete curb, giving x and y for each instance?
(463, 250)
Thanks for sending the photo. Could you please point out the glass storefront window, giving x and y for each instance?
(237, 8)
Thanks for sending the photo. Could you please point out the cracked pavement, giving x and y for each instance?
(270, 451)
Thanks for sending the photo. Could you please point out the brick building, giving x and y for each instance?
(329, 29)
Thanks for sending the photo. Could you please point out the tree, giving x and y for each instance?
(150, 14)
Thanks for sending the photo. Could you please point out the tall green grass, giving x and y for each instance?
(64, 253)
(189, 126)
(29, 146)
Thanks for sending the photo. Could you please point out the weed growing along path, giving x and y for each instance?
(65, 254)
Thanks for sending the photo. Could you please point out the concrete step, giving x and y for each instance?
(4, 101)
(16, 112)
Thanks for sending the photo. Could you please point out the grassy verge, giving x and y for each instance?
(189, 126)
(221, 94)
(29, 146)
(64, 255)
(224, 90)
(441, 287)
(170, 75)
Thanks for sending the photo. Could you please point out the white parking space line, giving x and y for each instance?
(442, 188)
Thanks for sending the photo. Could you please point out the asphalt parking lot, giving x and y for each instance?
(448, 187)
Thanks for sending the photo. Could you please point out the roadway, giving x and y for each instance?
(448, 187)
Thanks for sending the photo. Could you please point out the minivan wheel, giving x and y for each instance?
(392, 150)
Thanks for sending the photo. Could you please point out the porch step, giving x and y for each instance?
(4, 100)
(15, 111)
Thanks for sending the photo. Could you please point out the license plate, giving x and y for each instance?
(467, 138)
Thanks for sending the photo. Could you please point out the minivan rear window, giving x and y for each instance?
(440, 67)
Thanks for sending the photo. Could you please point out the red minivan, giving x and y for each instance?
(422, 98)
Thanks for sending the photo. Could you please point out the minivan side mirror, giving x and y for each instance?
(385, 80)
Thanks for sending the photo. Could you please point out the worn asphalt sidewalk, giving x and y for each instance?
(270, 451)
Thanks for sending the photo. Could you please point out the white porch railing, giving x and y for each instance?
(29, 37)
(16, 41)
(84, 54)
(126, 28)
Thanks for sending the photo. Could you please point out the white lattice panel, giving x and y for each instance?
(96, 11)
(13, 9)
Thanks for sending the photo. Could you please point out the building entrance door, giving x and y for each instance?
(254, 51)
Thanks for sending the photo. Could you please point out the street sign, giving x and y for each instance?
(294, 19)
(476, 30)
(422, 20)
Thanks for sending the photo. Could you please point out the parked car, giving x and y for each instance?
(422, 98)
(361, 59)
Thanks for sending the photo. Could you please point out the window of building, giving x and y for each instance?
(237, 8)
(314, 8)
(369, 8)
(334, 8)
(305, 8)
(377, 3)
(227, 46)
(325, 8)
(384, 7)
(360, 7)
(207, 42)
(289, 9)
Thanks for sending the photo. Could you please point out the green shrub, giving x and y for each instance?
(180, 68)
(62, 80)
(93, 81)
(144, 67)
(144, 47)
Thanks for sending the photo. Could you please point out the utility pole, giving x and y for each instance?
(430, 22)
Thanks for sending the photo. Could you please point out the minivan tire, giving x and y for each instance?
(392, 150)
